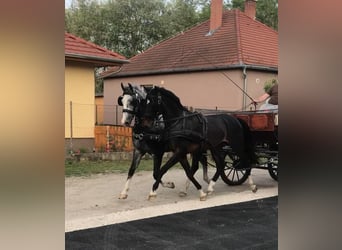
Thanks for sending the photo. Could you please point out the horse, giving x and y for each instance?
(191, 132)
(145, 140)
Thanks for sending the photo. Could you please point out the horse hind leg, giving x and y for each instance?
(204, 162)
(251, 184)
(219, 162)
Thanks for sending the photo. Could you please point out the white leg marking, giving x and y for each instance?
(203, 196)
(152, 195)
(251, 184)
(124, 192)
(184, 193)
(211, 187)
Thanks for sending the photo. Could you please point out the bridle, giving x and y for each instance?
(135, 103)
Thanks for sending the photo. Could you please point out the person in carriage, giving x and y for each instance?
(270, 97)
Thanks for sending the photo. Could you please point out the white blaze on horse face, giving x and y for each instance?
(126, 104)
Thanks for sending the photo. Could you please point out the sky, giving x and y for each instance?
(67, 3)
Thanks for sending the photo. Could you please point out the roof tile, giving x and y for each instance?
(78, 46)
(240, 40)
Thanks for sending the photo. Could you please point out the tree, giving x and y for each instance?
(266, 11)
(131, 26)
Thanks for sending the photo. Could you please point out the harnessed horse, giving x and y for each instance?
(145, 140)
(191, 132)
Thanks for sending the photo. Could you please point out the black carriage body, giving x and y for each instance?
(264, 131)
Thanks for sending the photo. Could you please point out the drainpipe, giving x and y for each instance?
(244, 72)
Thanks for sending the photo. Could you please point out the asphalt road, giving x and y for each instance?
(244, 225)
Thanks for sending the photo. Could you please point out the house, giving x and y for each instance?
(81, 60)
(99, 108)
(217, 64)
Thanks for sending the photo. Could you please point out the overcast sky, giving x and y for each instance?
(67, 3)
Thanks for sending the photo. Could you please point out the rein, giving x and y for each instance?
(182, 117)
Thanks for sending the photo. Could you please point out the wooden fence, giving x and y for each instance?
(113, 138)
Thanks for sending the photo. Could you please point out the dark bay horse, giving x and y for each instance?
(145, 140)
(191, 132)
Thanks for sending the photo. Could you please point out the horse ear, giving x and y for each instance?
(130, 86)
(122, 86)
(120, 101)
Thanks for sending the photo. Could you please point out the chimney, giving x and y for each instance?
(250, 8)
(216, 8)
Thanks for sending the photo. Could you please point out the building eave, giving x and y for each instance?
(98, 61)
(187, 70)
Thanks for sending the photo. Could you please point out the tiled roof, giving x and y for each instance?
(78, 49)
(239, 41)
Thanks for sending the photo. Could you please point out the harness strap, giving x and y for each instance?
(129, 111)
(148, 137)
(188, 133)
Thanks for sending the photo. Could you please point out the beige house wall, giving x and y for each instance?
(99, 104)
(79, 89)
(204, 90)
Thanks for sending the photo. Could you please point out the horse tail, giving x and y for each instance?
(249, 142)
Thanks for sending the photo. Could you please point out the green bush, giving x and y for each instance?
(269, 83)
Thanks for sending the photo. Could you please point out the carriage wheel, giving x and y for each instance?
(232, 175)
(273, 168)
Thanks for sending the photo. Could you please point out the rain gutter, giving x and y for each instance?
(72, 56)
(187, 70)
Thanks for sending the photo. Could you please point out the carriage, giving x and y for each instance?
(264, 128)
(237, 141)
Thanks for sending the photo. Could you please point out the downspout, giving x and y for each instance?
(244, 75)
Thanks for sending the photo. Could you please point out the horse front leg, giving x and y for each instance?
(189, 173)
(171, 162)
(157, 160)
(194, 168)
(137, 155)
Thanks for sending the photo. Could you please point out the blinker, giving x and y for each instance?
(120, 101)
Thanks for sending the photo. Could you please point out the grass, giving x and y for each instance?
(87, 168)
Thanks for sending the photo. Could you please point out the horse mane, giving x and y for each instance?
(140, 90)
(172, 96)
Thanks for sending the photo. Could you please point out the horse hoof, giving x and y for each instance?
(170, 185)
(182, 194)
(254, 189)
(123, 196)
(152, 197)
(210, 192)
(203, 198)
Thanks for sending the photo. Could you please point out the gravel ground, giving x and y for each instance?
(93, 201)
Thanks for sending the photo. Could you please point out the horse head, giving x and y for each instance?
(130, 100)
(160, 101)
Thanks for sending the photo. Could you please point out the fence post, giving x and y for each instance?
(107, 139)
(96, 122)
(71, 129)
(116, 114)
